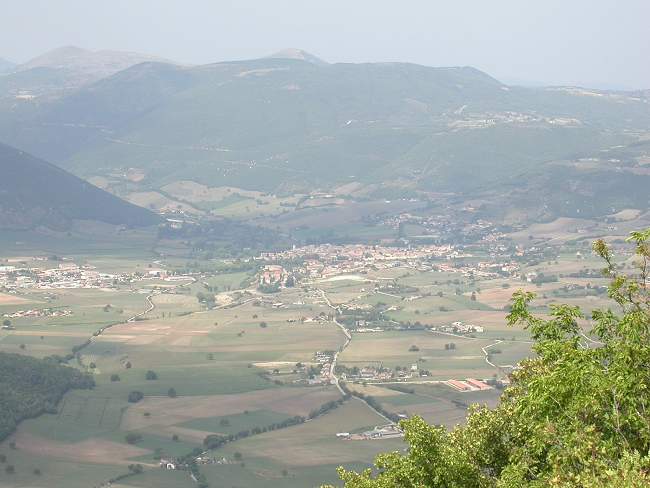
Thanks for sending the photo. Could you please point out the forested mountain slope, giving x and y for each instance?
(279, 124)
(35, 193)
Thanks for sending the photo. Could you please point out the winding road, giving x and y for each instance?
(348, 339)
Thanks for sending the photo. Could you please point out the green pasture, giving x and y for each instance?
(232, 424)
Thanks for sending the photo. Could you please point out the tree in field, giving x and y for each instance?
(171, 393)
(6, 322)
(133, 438)
(135, 396)
(576, 415)
(151, 375)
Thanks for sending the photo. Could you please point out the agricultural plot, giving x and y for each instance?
(80, 416)
(229, 281)
(309, 445)
(89, 310)
(7, 299)
(395, 348)
(438, 404)
(229, 201)
(233, 334)
(231, 424)
(34, 470)
(232, 366)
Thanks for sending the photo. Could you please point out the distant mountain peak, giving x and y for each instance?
(73, 57)
(76, 67)
(67, 51)
(293, 53)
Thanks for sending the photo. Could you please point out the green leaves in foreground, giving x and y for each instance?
(577, 415)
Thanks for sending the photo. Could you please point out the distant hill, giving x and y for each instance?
(299, 54)
(292, 122)
(6, 66)
(34, 193)
(93, 64)
(67, 68)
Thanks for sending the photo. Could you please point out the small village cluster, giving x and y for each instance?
(458, 327)
(69, 275)
(66, 275)
(379, 432)
(490, 119)
(324, 359)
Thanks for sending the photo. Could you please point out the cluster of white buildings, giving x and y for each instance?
(64, 276)
(69, 275)
(325, 360)
(379, 432)
(489, 119)
(458, 328)
(44, 312)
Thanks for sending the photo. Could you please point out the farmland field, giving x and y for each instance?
(210, 353)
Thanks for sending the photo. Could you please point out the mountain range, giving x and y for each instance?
(292, 122)
(34, 193)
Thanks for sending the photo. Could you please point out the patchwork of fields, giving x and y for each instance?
(248, 363)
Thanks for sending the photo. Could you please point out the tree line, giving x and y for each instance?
(31, 387)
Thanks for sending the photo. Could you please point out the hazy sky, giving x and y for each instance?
(587, 42)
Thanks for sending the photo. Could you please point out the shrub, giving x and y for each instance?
(132, 438)
(135, 396)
